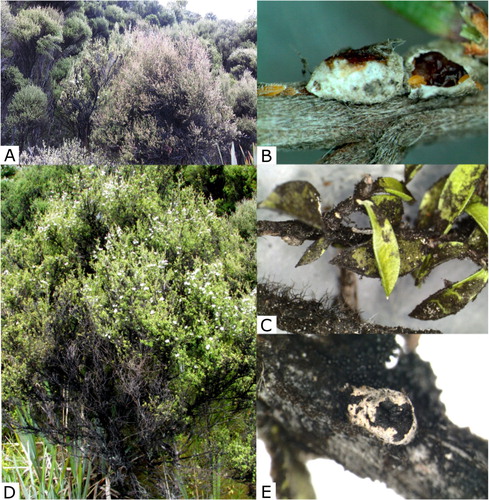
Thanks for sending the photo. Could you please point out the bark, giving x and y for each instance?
(304, 388)
(360, 134)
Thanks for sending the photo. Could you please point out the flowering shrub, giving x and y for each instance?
(129, 324)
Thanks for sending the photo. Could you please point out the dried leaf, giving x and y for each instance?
(452, 298)
(297, 198)
(314, 251)
(385, 246)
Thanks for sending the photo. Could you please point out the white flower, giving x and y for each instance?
(207, 346)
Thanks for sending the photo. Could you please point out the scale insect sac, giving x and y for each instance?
(368, 75)
(385, 413)
(440, 69)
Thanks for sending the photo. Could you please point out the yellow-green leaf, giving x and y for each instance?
(456, 193)
(393, 186)
(479, 212)
(451, 299)
(314, 251)
(386, 249)
(361, 259)
(297, 198)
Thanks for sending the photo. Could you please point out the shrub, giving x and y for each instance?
(241, 60)
(165, 105)
(70, 152)
(27, 112)
(29, 193)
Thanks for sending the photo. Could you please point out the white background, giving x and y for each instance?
(223, 9)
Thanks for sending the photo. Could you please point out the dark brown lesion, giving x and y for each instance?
(378, 52)
(437, 70)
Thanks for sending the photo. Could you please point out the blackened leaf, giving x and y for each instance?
(385, 247)
(393, 186)
(442, 253)
(479, 212)
(314, 251)
(429, 204)
(391, 206)
(451, 299)
(456, 193)
(361, 259)
(410, 171)
(297, 198)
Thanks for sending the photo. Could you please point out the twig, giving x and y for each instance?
(359, 134)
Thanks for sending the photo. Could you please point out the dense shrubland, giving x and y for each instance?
(137, 81)
(128, 330)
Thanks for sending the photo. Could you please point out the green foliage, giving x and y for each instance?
(225, 185)
(30, 194)
(100, 27)
(442, 232)
(241, 60)
(79, 93)
(129, 306)
(12, 81)
(27, 112)
(36, 24)
(114, 14)
(76, 31)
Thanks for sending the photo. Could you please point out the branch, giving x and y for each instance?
(305, 388)
(358, 134)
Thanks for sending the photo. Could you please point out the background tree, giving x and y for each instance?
(80, 92)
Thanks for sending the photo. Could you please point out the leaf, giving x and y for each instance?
(442, 253)
(452, 298)
(393, 186)
(438, 18)
(429, 204)
(456, 193)
(385, 246)
(410, 171)
(479, 213)
(297, 198)
(361, 259)
(390, 204)
(314, 251)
